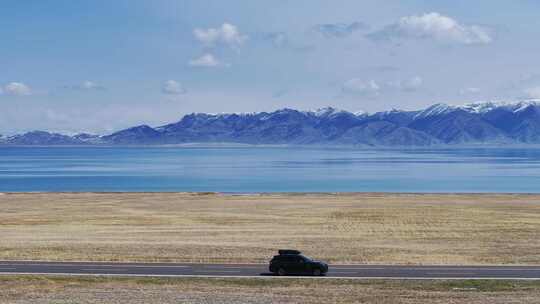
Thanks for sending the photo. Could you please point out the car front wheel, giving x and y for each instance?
(317, 272)
(281, 272)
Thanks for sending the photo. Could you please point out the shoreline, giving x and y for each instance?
(255, 194)
(292, 146)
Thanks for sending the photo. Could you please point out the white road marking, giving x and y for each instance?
(210, 270)
(102, 269)
(464, 268)
(238, 267)
(452, 273)
(357, 268)
(142, 266)
(99, 265)
(126, 262)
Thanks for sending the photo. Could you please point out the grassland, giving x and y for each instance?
(63, 290)
(340, 228)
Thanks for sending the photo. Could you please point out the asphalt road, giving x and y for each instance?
(260, 270)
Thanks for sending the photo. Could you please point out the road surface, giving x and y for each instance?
(261, 270)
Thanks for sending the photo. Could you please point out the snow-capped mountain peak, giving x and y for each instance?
(513, 106)
(326, 112)
(361, 113)
(480, 107)
(520, 106)
(436, 109)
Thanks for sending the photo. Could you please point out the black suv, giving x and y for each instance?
(293, 262)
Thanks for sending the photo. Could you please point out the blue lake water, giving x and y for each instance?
(269, 169)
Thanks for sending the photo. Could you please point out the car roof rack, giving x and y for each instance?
(288, 251)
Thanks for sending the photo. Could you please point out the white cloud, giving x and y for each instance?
(172, 87)
(206, 60)
(468, 91)
(227, 34)
(533, 92)
(434, 26)
(17, 89)
(361, 87)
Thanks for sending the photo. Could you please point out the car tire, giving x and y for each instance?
(281, 272)
(317, 272)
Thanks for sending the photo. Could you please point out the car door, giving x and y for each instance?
(300, 265)
(289, 264)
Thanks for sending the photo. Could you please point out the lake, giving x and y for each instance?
(269, 169)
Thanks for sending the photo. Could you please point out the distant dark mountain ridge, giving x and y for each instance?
(439, 124)
(41, 138)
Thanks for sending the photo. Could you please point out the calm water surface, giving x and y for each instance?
(269, 169)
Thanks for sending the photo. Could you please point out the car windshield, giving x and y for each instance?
(307, 259)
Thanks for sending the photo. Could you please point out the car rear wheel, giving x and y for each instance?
(281, 272)
(317, 272)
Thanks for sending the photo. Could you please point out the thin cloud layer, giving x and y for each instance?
(358, 86)
(408, 85)
(436, 27)
(172, 87)
(339, 30)
(361, 87)
(469, 91)
(207, 60)
(278, 39)
(86, 85)
(90, 85)
(533, 92)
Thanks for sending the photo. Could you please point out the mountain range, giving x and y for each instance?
(439, 124)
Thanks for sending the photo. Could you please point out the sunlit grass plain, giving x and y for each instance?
(207, 227)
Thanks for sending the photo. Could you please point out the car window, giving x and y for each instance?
(291, 259)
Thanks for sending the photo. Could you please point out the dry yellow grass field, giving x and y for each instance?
(64, 290)
(339, 228)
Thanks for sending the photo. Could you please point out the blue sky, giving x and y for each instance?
(99, 66)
